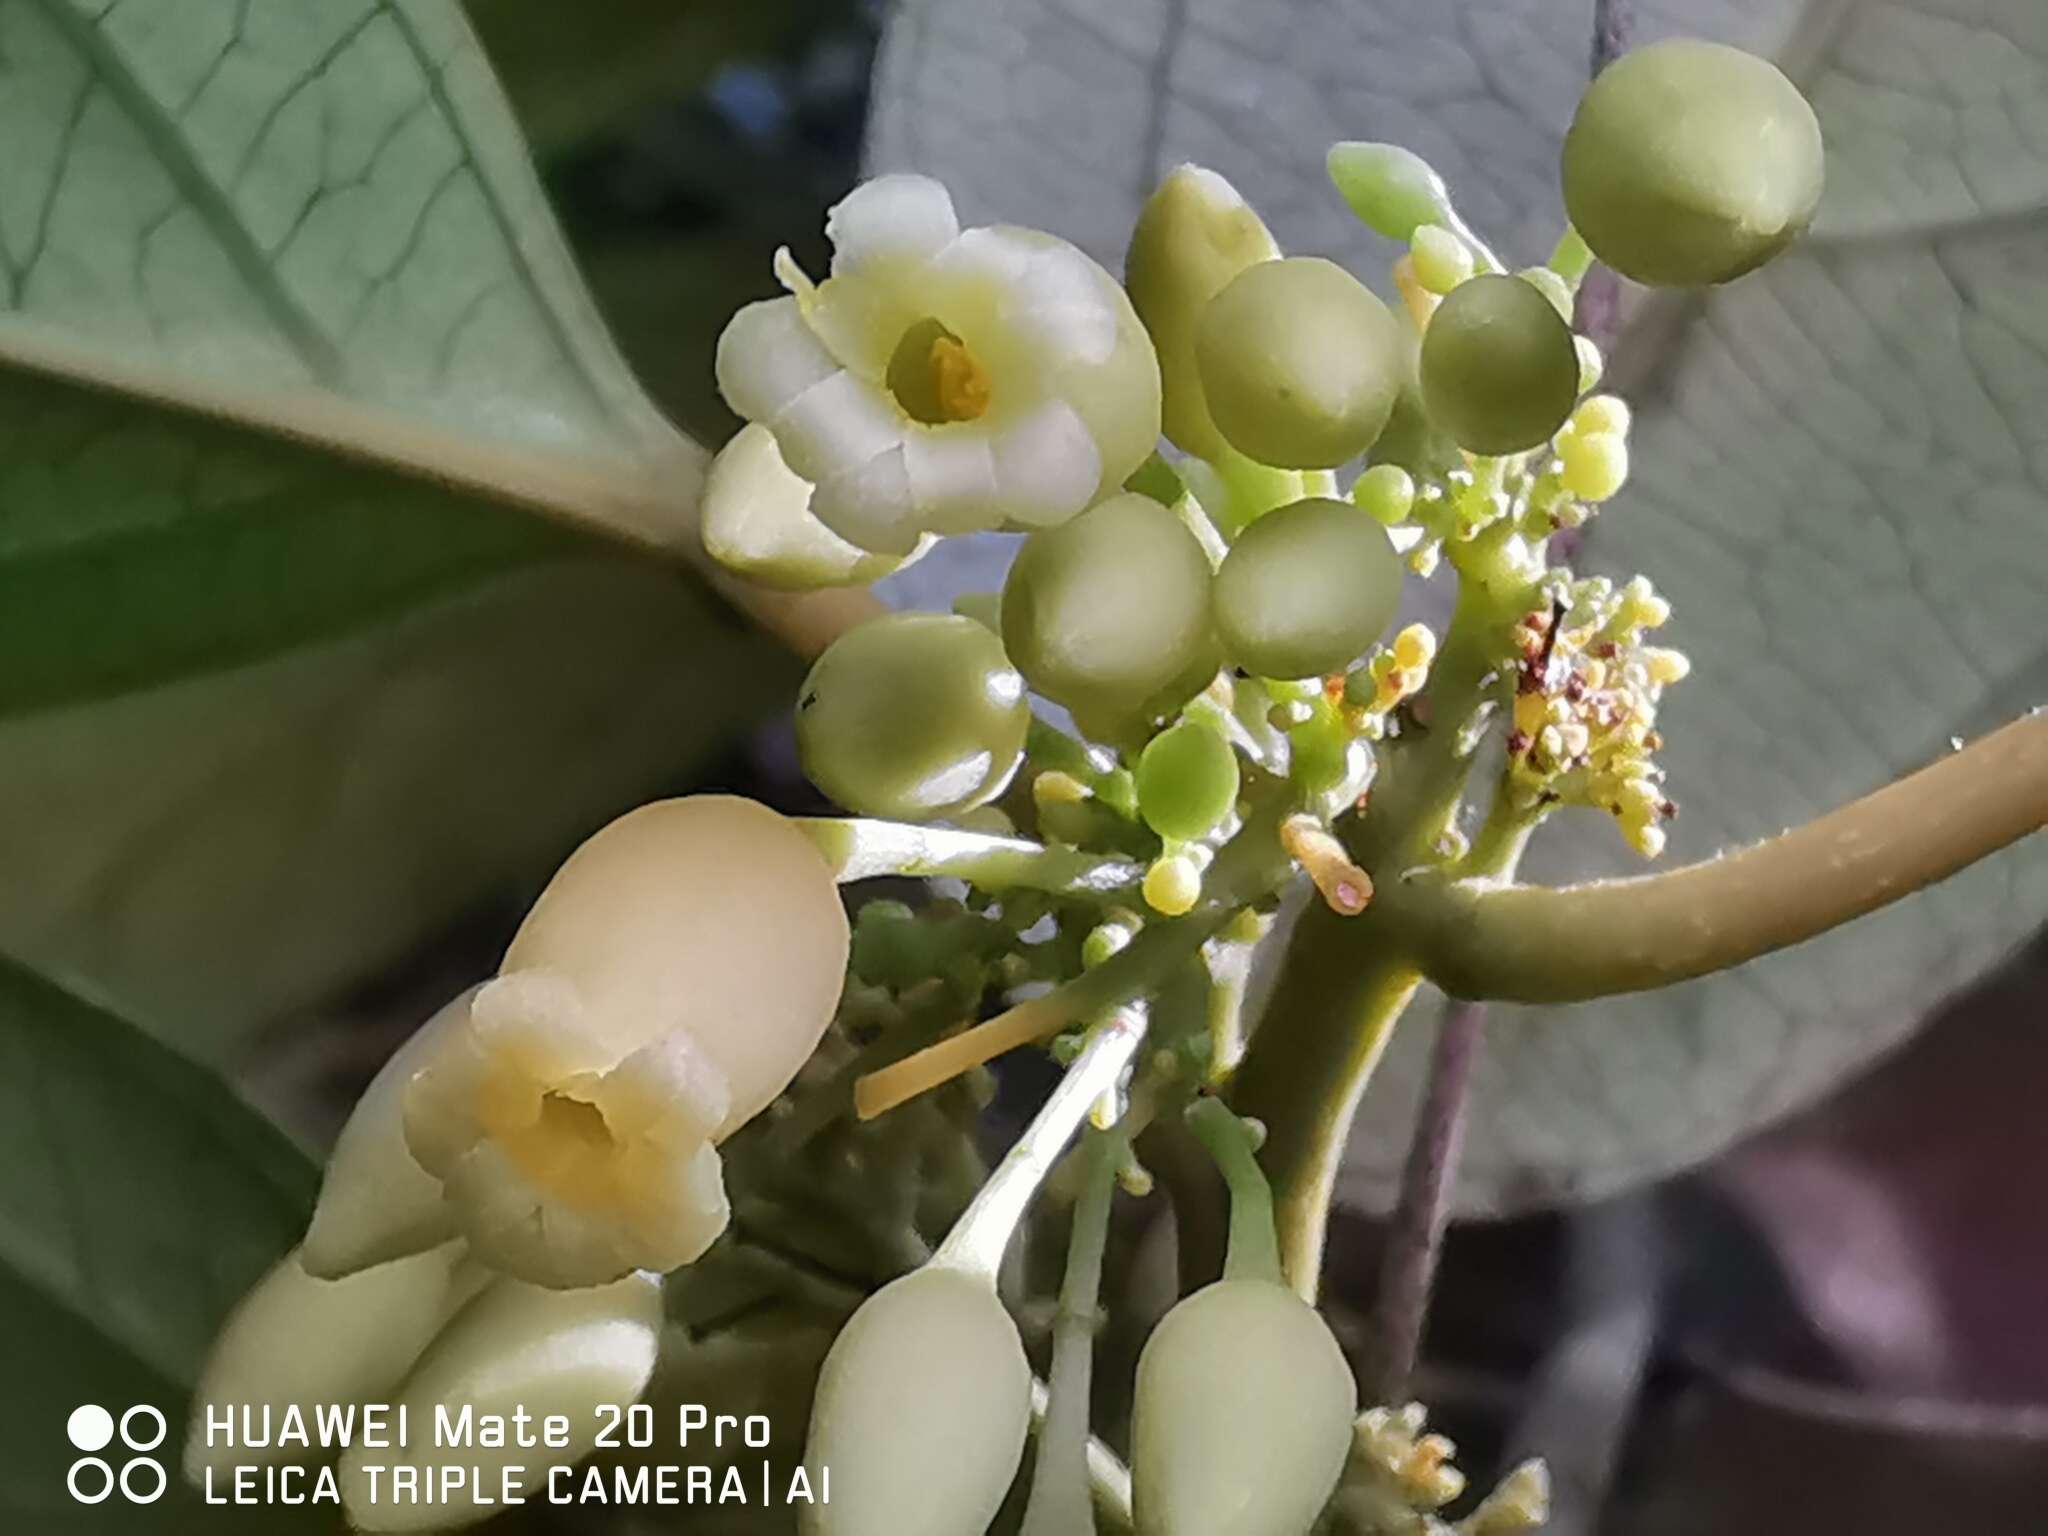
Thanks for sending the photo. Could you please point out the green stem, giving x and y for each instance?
(983, 1231)
(861, 849)
(1340, 993)
(1061, 1502)
(1483, 938)
(1572, 258)
(1253, 1253)
(1109, 1480)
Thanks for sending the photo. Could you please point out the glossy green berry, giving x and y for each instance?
(1387, 491)
(1108, 614)
(1243, 1415)
(1194, 234)
(921, 1411)
(1300, 363)
(1187, 780)
(1306, 589)
(1691, 163)
(1499, 371)
(912, 716)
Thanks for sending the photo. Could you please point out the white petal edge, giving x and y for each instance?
(768, 357)
(837, 424)
(898, 217)
(953, 478)
(870, 505)
(1047, 466)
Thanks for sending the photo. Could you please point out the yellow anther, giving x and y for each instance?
(959, 383)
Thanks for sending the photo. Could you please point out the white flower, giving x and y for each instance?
(564, 1118)
(941, 381)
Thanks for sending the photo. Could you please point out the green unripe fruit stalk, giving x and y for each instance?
(1499, 371)
(1306, 589)
(921, 1411)
(912, 716)
(1187, 781)
(1691, 163)
(1243, 1415)
(1299, 362)
(1193, 236)
(1109, 613)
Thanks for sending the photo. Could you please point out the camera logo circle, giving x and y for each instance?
(92, 1479)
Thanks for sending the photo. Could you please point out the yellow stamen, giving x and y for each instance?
(959, 383)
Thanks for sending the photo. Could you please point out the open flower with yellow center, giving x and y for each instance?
(564, 1118)
(941, 380)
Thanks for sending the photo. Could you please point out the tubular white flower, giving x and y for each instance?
(670, 981)
(941, 381)
(298, 1342)
(515, 1348)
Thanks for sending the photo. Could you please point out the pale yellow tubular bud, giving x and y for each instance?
(376, 1202)
(757, 523)
(1193, 236)
(1595, 464)
(1442, 260)
(1243, 1416)
(294, 1342)
(1602, 413)
(921, 1411)
(710, 913)
(516, 1347)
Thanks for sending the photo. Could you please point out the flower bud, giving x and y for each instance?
(297, 1342)
(516, 1347)
(1393, 190)
(376, 1203)
(1243, 1415)
(1193, 236)
(921, 1411)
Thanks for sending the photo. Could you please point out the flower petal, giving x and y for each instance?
(870, 505)
(1062, 298)
(758, 522)
(891, 218)
(767, 357)
(952, 478)
(1047, 466)
(837, 424)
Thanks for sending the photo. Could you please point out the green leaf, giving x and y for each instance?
(326, 504)
(1841, 466)
(138, 1200)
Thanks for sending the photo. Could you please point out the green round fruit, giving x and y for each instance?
(1187, 780)
(912, 716)
(1691, 163)
(1306, 589)
(1499, 371)
(1109, 614)
(1300, 363)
